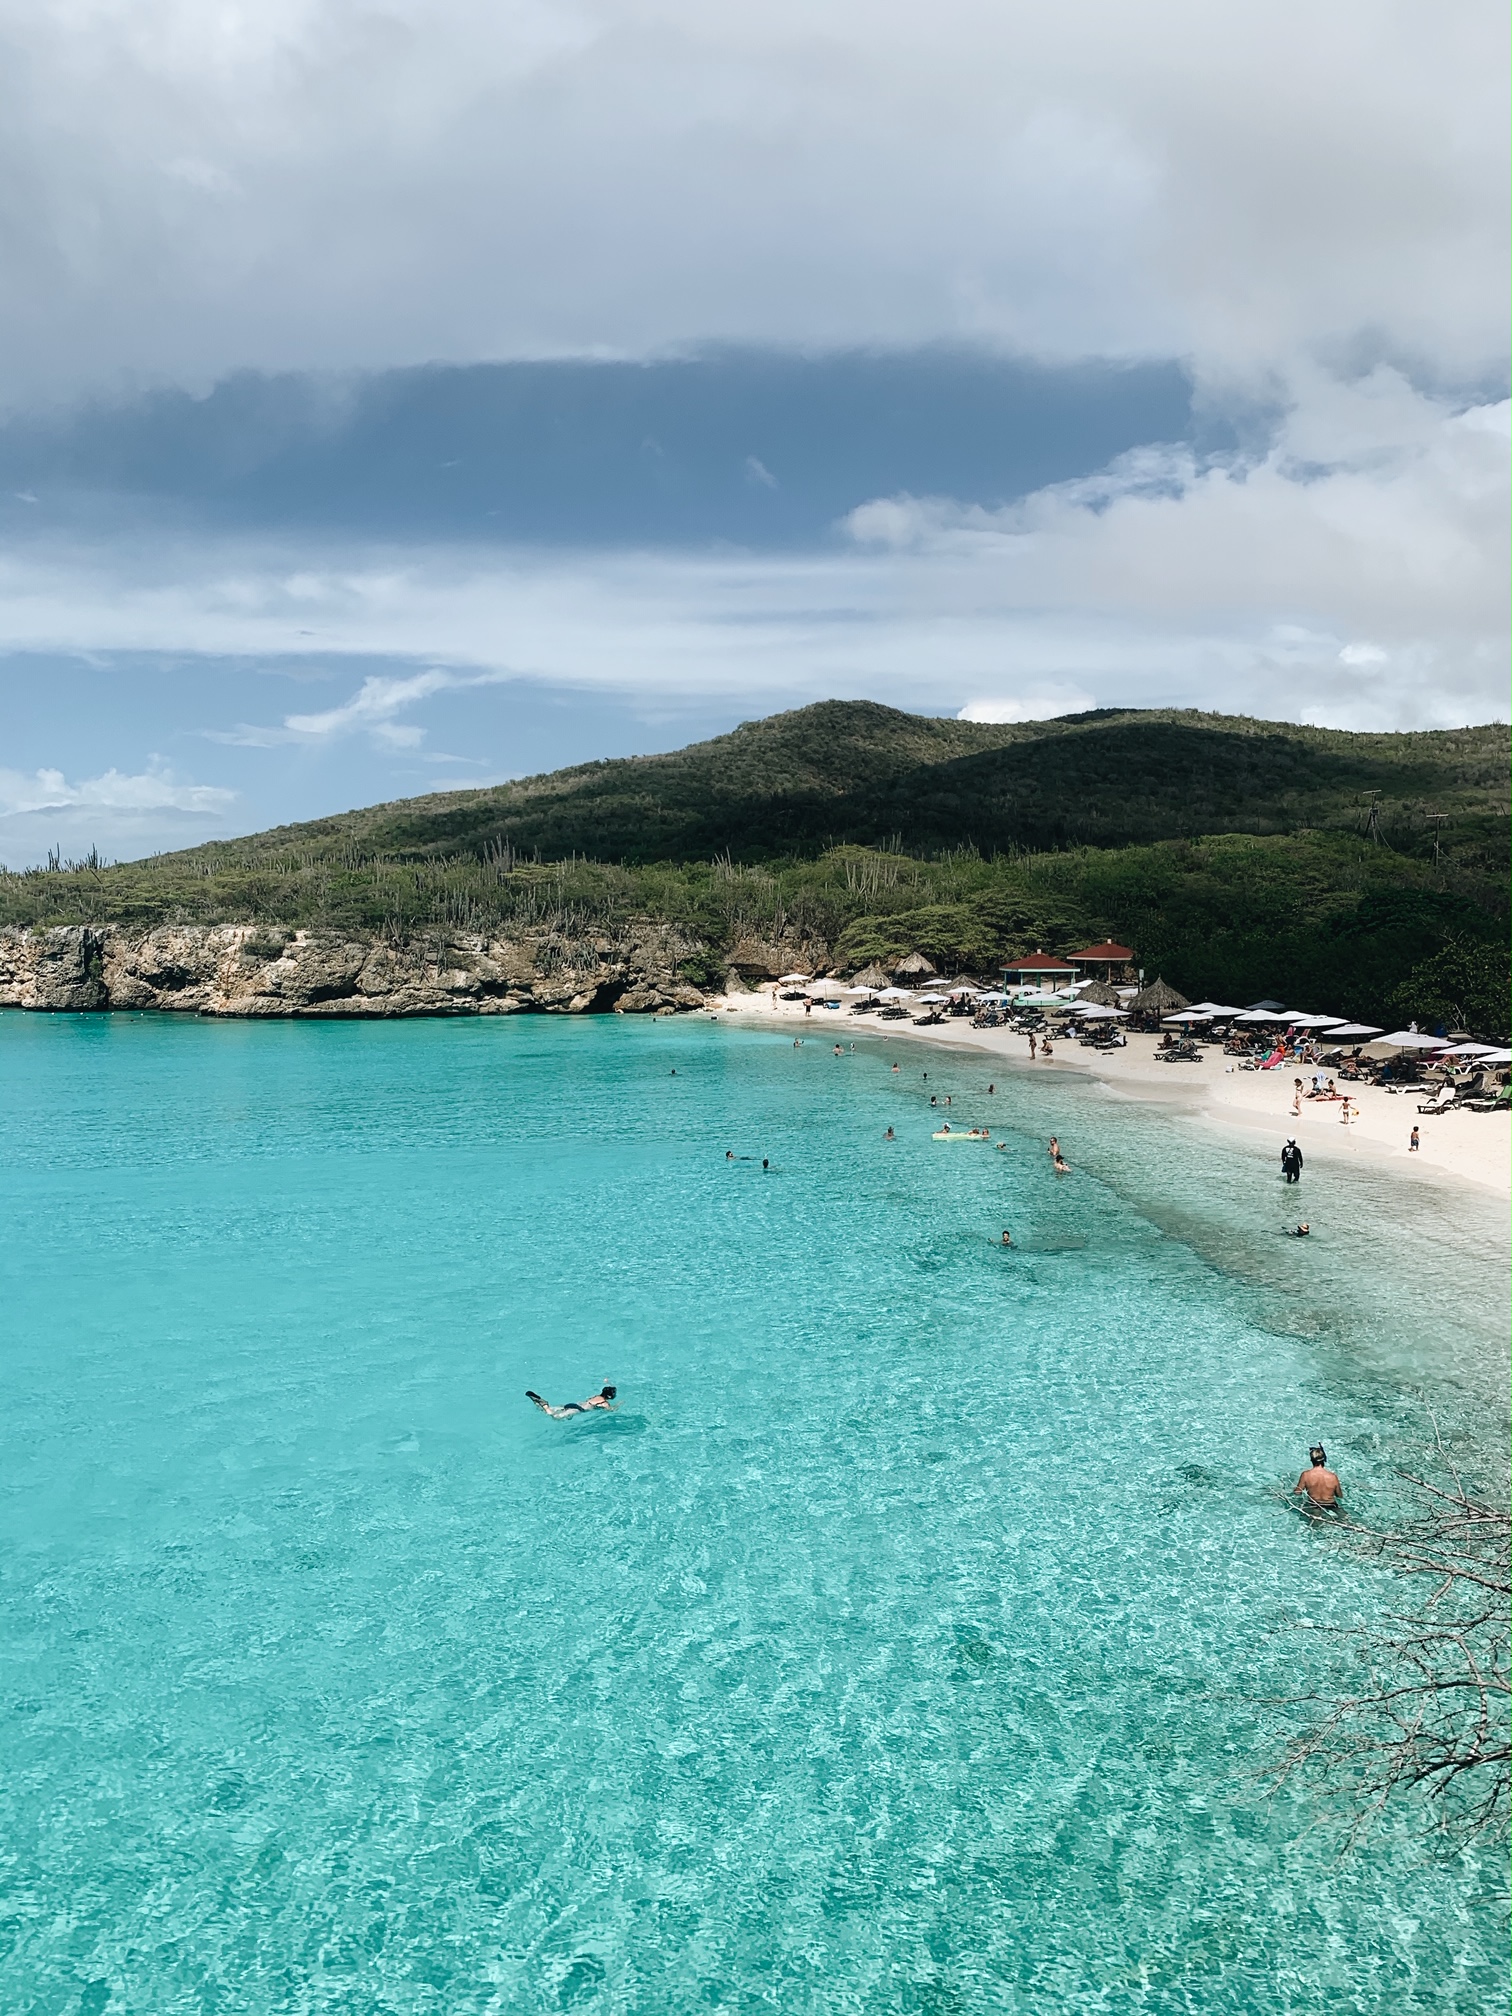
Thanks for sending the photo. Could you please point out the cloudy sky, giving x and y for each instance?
(401, 395)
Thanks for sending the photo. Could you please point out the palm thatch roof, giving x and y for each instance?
(915, 967)
(1101, 994)
(870, 976)
(1157, 999)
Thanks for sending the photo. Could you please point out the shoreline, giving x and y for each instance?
(1457, 1149)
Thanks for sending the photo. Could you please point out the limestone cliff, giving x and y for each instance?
(239, 969)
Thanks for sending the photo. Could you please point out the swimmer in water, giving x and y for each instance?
(1320, 1484)
(1007, 1239)
(1054, 1148)
(1303, 1231)
(603, 1399)
(889, 1135)
(1060, 1167)
(897, 1067)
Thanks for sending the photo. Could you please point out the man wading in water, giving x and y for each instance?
(1321, 1484)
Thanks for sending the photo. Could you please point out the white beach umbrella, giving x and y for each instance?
(1342, 1030)
(794, 979)
(1261, 1015)
(825, 988)
(934, 997)
(1190, 1015)
(1412, 1039)
(1098, 1014)
(895, 994)
(1315, 1021)
(1473, 1050)
(1497, 1057)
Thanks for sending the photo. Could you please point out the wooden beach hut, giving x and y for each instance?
(1106, 962)
(1036, 969)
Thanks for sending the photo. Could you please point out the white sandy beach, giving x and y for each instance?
(1470, 1148)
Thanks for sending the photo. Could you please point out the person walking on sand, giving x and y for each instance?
(1320, 1484)
(1033, 1046)
(1296, 1095)
(1412, 1145)
(603, 1399)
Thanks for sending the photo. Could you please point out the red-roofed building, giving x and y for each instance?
(1036, 970)
(1106, 962)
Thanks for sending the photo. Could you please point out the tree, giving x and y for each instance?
(1430, 1712)
(1465, 985)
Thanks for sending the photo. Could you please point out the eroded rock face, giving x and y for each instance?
(246, 970)
(67, 970)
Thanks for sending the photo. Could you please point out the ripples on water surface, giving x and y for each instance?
(867, 1660)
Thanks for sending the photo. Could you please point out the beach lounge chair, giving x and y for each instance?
(1441, 1100)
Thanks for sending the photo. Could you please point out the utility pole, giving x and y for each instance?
(1373, 816)
(1438, 821)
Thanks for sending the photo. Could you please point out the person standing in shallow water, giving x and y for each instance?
(1318, 1483)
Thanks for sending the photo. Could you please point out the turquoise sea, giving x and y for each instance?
(894, 1647)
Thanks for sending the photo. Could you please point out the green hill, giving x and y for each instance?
(852, 772)
(1362, 873)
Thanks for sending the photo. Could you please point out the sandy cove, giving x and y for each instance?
(1471, 1148)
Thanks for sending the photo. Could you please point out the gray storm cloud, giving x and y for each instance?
(331, 183)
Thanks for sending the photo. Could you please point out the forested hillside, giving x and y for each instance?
(1357, 872)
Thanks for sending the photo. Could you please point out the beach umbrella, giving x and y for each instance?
(1158, 999)
(794, 979)
(1099, 993)
(1190, 1015)
(895, 994)
(1261, 1015)
(1412, 1039)
(1498, 1057)
(1342, 1029)
(1100, 1012)
(1473, 1050)
(1315, 1021)
(934, 997)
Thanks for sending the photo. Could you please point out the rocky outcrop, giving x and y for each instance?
(247, 970)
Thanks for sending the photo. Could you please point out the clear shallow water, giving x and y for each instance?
(869, 1659)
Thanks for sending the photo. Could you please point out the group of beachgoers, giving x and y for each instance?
(1318, 1486)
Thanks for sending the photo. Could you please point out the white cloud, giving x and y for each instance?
(120, 814)
(152, 790)
(339, 182)
(1041, 703)
(1352, 574)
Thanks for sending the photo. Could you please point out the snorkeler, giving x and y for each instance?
(1303, 1231)
(603, 1399)
(1321, 1484)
